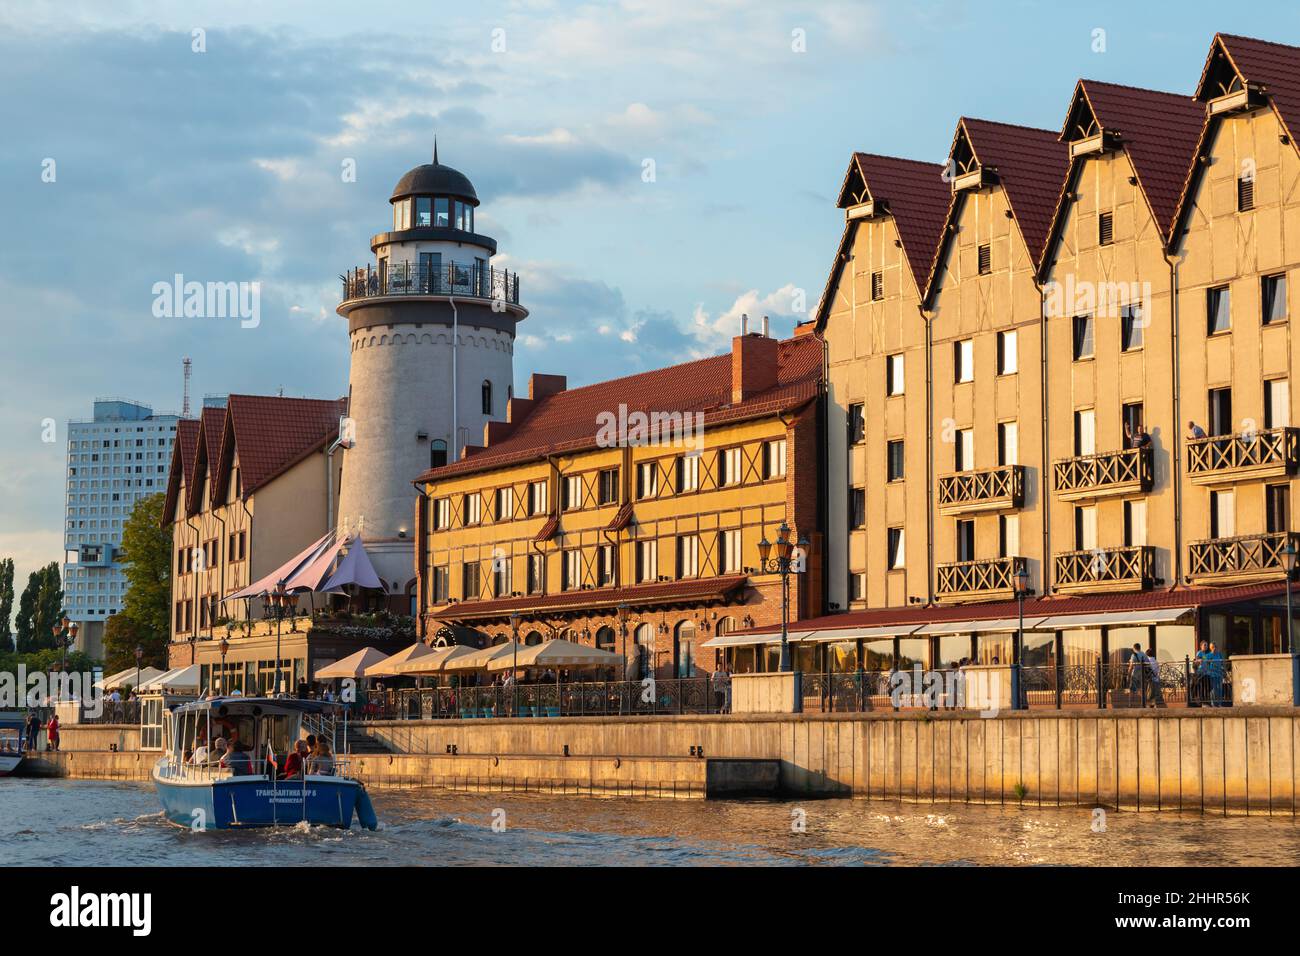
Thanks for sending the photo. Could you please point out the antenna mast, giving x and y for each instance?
(185, 396)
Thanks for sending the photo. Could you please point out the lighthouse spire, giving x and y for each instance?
(435, 149)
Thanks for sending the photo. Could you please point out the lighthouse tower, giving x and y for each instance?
(432, 330)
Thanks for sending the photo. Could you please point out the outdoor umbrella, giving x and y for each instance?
(352, 666)
(558, 653)
(418, 651)
(480, 659)
(127, 677)
(436, 660)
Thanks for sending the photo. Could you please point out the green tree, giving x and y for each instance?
(121, 638)
(146, 556)
(6, 603)
(40, 607)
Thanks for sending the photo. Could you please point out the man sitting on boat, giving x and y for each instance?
(293, 764)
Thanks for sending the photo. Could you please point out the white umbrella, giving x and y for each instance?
(418, 651)
(480, 659)
(436, 661)
(558, 653)
(354, 665)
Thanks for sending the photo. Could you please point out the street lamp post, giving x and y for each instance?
(1289, 559)
(782, 563)
(139, 655)
(1022, 592)
(278, 600)
(514, 663)
(224, 647)
(623, 611)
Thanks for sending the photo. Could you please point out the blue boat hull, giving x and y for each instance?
(236, 802)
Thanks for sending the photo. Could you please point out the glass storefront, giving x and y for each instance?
(1175, 642)
(878, 655)
(842, 656)
(913, 651)
(1081, 648)
(993, 648)
(951, 649)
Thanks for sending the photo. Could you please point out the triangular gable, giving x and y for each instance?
(182, 465)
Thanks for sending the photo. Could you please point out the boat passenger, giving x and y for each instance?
(237, 762)
(293, 764)
(322, 760)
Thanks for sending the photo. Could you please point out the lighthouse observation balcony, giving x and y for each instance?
(448, 279)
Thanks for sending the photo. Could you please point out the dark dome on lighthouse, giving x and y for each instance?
(435, 179)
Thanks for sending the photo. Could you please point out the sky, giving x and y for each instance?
(651, 168)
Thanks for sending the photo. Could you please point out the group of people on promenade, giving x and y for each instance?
(32, 732)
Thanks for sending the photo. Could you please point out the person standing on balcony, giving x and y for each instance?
(1195, 431)
(1137, 435)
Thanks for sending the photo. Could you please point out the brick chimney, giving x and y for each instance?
(544, 386)
(754, 364)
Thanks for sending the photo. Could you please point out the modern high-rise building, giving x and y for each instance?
(117, 457)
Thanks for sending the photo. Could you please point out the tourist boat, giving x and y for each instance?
(248, 794)
(11, 750)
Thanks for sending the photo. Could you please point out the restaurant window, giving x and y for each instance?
(1131, 327)
(647, 561)
(857, 424)
(774, 459)
(963, 359)
(606, 566)
(1008, 359)
(1273, 298)
(1084, 346)
(894, 465)
(607, 486)
(965, 540)
(688, 556)
(730, 548)
(688, 473)
(896, 554)
(894, 378)
(536, 583)
(857, 508)
(684, 649)
(1218, 316)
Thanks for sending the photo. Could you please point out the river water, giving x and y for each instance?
(94, 823)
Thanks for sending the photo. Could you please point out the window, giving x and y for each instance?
(442, 514)
(487, 397)
(688, 556)
(729, 466)
(1132, 417)
(730, 551)
(441, 212)
(894, 456)
(1220, 411)
(440, 586)
(1131, 325)
(1008, 360)
(963, 358)
(857, 508)
(501, 577)
(423, 211)
(1135, 523)
(1222, 514)
(572, 492)
(537, 503)
(571, 568)
(894, 384)
(1008, 443)
(1085, 432)
(536, 583)
(894, 542)
(1273, 298)
(647, 479)
(647, 561)
(1276, 498)
(857, 424)
(1218, 316)
(1008, 536)
(505, 503)
(688, 473)
(877, 286)
(1083, 337)
(856, 581)
(607, 486)
(774, 459)
(605, 639)
(985, 256)
(1105, 228)
(474, 507)
(1085, 528)
(469, 580)
(966, 540)
(963, 449)
(1277, 403)
(606, 568)
(1245, 193)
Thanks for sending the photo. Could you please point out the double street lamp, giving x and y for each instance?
(65, 634)
(782, 563)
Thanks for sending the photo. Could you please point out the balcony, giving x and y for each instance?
(988, 489)
(1241, 560)
(988, 580)
(1101, 476)
(451, 278)
(1264, 454)
(1105, 569)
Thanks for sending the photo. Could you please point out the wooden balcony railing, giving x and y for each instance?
(1105, 569)
(978, 580)
(1240, 560)
(988, 489)
(1262, 454)
(1109, 473)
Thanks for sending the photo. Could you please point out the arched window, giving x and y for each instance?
(534, 637)
(684, 649)
(605, 639)
(437, 453)
(644, 659)
(487, 397)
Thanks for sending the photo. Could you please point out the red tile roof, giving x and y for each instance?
(1038, 607)
(568, 421)
(212, 421)
(1158, 131)
(668, 592)
(182, 465)
(1031, 165)
(918, 200)
(271, 434)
